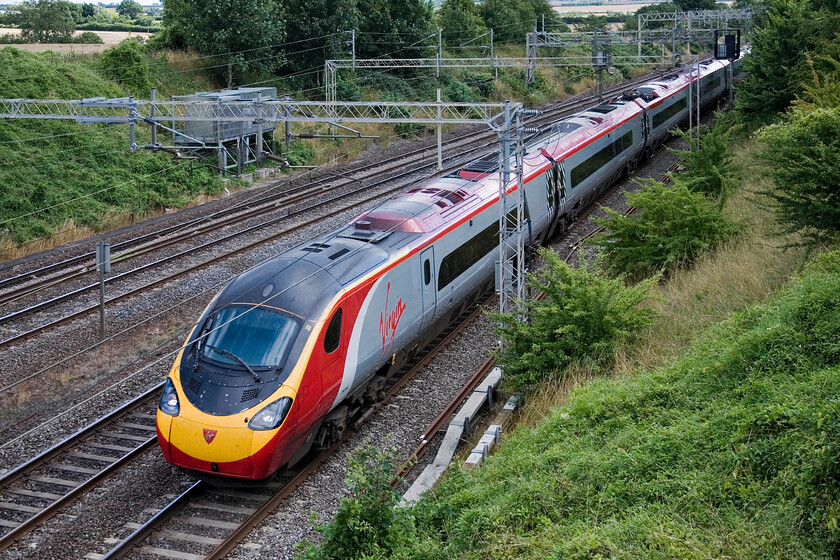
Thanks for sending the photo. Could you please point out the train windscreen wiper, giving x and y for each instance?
(224, 352)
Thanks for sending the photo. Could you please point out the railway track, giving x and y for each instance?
(43, 486)
(289, 202)
(47, 484)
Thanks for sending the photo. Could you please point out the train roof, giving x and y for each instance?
(571, 133)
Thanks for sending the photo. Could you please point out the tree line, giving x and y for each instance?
(295, 37)
(54, 21)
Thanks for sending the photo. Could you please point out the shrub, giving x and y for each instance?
(582, 317)
(803, 160)
(9, 39)
(481, 82)
(672, 228)
(299, 152)
(458, 92)
(128, 65)
(88, 37)
(709, 167)
(347, 90)
(366, 522)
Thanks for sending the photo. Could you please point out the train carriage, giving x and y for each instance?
(288, 351)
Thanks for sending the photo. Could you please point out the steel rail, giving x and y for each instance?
(45, 457)
(140, 534)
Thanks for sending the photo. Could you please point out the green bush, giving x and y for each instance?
(803, 160)
(101, 26)
(672, 227)
(9, 39)
(583, 316)
(128, 65)
(481, 82)
(366, 523)
(88, 37)
(298, 152)
(458, 92)
(709, 167)
(347, 90)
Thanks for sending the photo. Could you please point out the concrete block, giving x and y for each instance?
(456, 430)
(490, 381)
(485, 444)
(473, 460)
(513, 402)
(247, 177)
(495, 430)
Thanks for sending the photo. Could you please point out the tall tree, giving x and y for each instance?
(244, 34)
(777, 67)
(129, 9)
(803, 159)
(44, 21)
(318, 31)
(88, 10)
(543, 10)
(511, 20)
(460, 21)
(695, 5)
(632, 21)
(395, 27)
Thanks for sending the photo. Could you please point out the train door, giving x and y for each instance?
(428, 285)
(331, 349)
(560, 170)
(556, 187)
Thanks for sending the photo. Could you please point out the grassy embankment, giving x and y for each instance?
(68, 180)
(716, 437)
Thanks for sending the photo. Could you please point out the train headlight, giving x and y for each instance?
(169, 399)
(271, 416)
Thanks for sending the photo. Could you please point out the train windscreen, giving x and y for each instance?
(245, 336)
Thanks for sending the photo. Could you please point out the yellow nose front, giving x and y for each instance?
(217, 442)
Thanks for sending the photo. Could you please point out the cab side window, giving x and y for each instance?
(332, 338)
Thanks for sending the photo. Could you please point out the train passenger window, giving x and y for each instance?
(666, 114)
(332, 338)
(601, 158)
(427, 272)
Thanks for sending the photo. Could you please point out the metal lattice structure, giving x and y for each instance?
(127, 110)
(332, 66)
(675, 27)
(503, 118)
(691, 27)
(710, 19)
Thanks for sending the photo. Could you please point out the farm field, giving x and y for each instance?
(109, 38)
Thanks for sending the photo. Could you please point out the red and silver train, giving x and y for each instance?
(287, 351)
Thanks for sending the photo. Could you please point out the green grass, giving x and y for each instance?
(62, 175)
(730, 451)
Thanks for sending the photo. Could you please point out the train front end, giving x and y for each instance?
(229, 405)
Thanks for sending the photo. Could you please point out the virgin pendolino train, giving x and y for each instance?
(288, 351)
